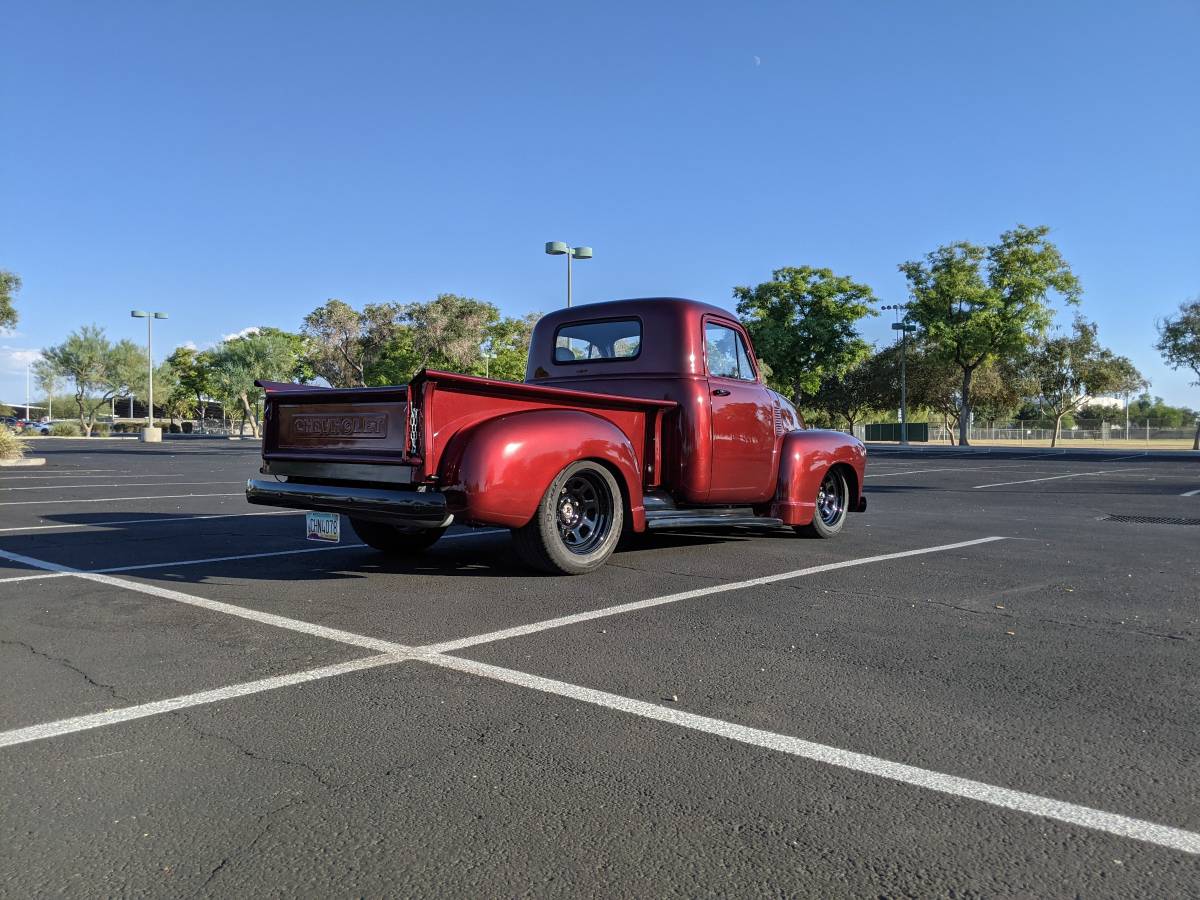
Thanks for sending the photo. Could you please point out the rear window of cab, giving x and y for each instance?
(607, 339)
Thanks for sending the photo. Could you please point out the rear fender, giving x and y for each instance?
(805, 457)
(496, 472)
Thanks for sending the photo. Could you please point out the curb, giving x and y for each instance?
(24, 461)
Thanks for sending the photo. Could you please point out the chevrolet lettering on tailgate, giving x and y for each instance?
(360, 426)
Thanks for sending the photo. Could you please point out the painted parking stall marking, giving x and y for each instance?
(993, 795)
(1050, 478)
(116, 499)
(522, 630)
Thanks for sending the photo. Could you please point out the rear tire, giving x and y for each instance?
(577, 524)
(395, 540)
(832, 505)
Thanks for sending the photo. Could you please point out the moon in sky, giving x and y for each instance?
(758, 60)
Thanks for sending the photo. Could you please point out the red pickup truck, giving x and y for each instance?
(634, 415)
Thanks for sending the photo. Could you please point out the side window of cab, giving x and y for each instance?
(727, 354)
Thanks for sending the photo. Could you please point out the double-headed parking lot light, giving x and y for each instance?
(558, 248)
(149, 433)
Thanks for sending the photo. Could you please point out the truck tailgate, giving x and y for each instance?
(371, 426)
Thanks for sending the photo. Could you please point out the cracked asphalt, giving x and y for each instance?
(1061, 661)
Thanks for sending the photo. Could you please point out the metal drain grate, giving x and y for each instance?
(1152, 520)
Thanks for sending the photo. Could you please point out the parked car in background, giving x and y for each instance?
(42, 428)
(635, 415)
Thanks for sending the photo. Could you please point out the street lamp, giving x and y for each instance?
(905, 328)
(150, 434)
(558, 248)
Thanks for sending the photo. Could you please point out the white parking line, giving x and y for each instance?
(358, 640)
(40, 576)
(242, 612)
(522, 630)
(77, 487)
(993, 795)
(15, 557)
(1019, 801)
(1191, 493)
(46, 476)
(923, 471)
(114, 499)
(141, 711)
(215, 559)
(100, 473)
(1050, 478)
(160, 520)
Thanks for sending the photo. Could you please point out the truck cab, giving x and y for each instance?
(635, 415)
(722, 445)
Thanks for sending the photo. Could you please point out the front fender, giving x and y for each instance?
(497, 471)
(805, 457)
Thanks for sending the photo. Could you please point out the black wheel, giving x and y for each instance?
(577, 524)
(833, 502)
(395, 540)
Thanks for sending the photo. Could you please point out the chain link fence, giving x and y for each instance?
(1151, 433)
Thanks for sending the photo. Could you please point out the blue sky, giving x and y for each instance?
(237, 164)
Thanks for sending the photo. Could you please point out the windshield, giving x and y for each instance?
(609, 339)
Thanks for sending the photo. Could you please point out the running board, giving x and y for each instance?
(692, 519)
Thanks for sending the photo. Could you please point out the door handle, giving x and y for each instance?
(720, 392)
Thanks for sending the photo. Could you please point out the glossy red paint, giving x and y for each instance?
(718, 448)
(668, 419)
(497, 470)
(805, 456)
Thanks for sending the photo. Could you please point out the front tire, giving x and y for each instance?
(577, 524)
(395, 540)
(832, 505)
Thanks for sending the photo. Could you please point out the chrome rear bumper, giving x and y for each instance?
(415, 509)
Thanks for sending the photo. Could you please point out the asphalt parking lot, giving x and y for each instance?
(983, 687)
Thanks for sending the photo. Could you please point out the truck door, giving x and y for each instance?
(743, 420)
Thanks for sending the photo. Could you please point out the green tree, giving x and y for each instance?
(1066, 370)
(980, 304)
(193, 381)
(506, 341)
(47, 377)
(344, 344)
(267, 354)
(803, 324)
(97, 369)
(1179, 343)
(10, 284)
(935, 383)
(870, 385)
(449, 331)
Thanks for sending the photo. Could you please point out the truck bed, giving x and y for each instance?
(400, 434)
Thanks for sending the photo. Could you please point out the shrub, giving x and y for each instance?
(101, 429)
(175, 429)
(11, 446)
(64, 429)
(187, 427)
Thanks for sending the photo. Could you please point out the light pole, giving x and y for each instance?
(150, 434)
(905, 328)
(558, 248)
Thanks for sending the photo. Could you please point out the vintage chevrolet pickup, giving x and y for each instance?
(635, 415)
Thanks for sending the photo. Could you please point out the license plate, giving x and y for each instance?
(323, 526)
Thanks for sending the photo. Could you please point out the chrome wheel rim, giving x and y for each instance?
(831, 500)
(583, 513)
